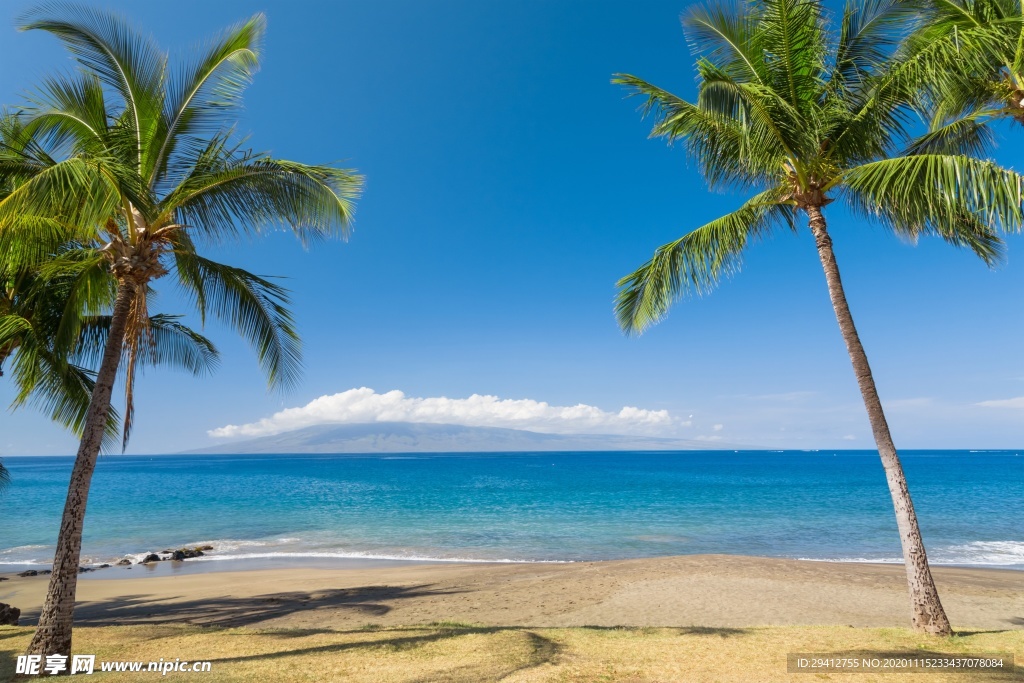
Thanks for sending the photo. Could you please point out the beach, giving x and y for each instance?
(714, 618)
(714, 591)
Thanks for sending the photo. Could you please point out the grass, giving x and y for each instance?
(465, 653)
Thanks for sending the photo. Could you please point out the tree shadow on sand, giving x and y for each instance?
(539, 650)
(241, 611)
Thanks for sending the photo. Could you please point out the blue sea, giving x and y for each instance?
(822, 505)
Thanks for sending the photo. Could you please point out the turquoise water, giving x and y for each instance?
(551, 506)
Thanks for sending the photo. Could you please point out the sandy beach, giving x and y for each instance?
(700, 590)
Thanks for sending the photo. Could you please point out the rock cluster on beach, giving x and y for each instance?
(44, 572)
(175, 555)
(164, 555)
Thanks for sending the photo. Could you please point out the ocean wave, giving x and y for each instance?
(979, 553)
(997, 553)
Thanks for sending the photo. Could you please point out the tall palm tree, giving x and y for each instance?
(144, 167)
(804, 116)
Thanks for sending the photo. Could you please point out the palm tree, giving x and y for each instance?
(803, 116)
(142, 166)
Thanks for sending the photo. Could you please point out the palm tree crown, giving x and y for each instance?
(136, 163)
(804, 116)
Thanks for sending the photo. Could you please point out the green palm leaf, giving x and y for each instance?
(255, 307)
(696, 262)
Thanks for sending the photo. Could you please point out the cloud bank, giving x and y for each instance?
(366, 405)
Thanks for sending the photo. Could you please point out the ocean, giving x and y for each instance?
(821, 505)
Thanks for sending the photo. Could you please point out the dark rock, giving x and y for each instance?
(152, 557)
(168, 550)
(83, 570)
(124, 563)
(44, 572)
(186, 553)
(29, 572)
(3, 578)
(9, 615)
(103, 566)
(205, 547)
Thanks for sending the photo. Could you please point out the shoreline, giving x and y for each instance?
(720, 591)
(213, 563)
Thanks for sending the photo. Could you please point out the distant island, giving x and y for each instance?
(408, 437)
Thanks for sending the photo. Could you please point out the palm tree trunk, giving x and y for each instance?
(928, 615)
(53, 635)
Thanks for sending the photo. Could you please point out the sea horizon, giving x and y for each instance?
(330, 510)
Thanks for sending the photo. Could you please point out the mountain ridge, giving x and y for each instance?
(413, 437)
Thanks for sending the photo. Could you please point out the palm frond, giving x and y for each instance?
(228, 190)
(794, 45)
(123, 59)
(204, 91)
(74, 193)
(961, 199)
(970, 135)
(695, 263)
(716, 133)
(726, 35)
(871, 32)
(255, 307)
(58, 388)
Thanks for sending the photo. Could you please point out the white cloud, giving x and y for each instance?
(849, 437)
(718, 428)
(1017, 402)
(366, 405)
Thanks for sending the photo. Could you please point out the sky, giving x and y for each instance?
(508, 186)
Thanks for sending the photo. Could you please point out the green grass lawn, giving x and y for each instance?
(478, 654)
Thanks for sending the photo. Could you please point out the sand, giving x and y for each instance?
(716, 591)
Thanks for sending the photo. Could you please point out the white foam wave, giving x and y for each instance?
(17, 548)
(998, 553)
(369, 556)
(229, 544)
(981, 553)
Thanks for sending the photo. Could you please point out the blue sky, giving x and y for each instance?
(508, 186)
